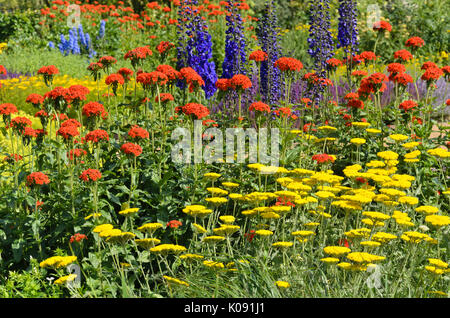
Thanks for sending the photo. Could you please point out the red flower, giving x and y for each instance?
(250, 235)
(164, 97)
(334, 63)
(192, 78)
(18, 124)
(35, 99)
(288, 64)
(322, 158)
(149, 80)
(68, 132)
(223, 84)
(403, 55)
(131, 149)
(41, 114)
(407, 105)
(93, 109)
(194, 109)
(351, 95)
(138, 54)
(12, 157)
(382, 26)
(71, 122)
(417, 119)
(355, 103)
(432, 74)
(48, 70)
(240, 82)
(114, 79)
(138, 133)
(76, 153)
(107, 61)
(78, 93)
(395, 68)
(283, 112)
(402, 79)
(258, 56)
(169, 71)
(97, 135)
(174, 224)
(260, 107)
(415, 42)
(359, 73)
(164, 46)
(367, 56)
(427, 65)
(58, 94)
(343, 242)
(90, 175)
(3, 70)
(126, 73)
(77, 237)
(37, 178)
(8, 109)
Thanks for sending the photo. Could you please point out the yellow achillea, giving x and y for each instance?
(284, 181)
(175, 281)
(65, 279)
(388, 155)
(120, 238)
(191, 257)
(236, 196)
(270, 215)
(282, 245)
(372, 223)
(166, 249)
(230, 185)
(373, 131)
(437, 263)
(435, 270)
(213, 239)
(102, 227)
(57, 261)
(214, 265)
(249, 213)
(370, 243)
(280, 209)
(439, 152)
(326, 127)
(260, 196)
(324, 195)
(364, 258)
(398, 137)
(129, 212)
(211, 176)
(228, 219)
(93, 215)
(282, 284)
(410, 145)
(198, 228)
(263, 232)
(383, 237)
(216, 200)
(330, 260)
(377, 216)
(218, 192)
(427, 209)
(358, 141)
(361, 124)
(312, 224)
(414, 237)
(353, 267)
(303, 233)
(412, 155)
(408, 200)
(150, 228)
(438, 220)
(226, 229)
(358, 233)
(107, 233)
(147, 243)
(336, 251)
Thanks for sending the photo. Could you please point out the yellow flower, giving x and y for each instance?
(282, 284)
(435, 270)
(58, 261)
(363, 257)
(282, 244)
(358, 233)
(226, 229)
(377, 216)
(358, 141)
(303, 233)
(120, 238)
(65, 279)
(427, 209)
(175, 281)
(230, 185)
(383, 237)
(336, 251)
(270, 215)
(216, 201)
(375, 164)
(439, 152)
(190, 257)
(102, 227)
(373, 131)
(217, 192)
(129, 212)
(147, 243)
(228, 219)
(324, 195)
(412, 155)
(398, 137)
(330, 260)
(410, 145)
(263, 232)
(198, 228)
(361, 124)
(437, 263)
(213, 239)
(388, 155)
(370, 243)
(414, 237)
(408, 200)
(214, 265)
(93, 215)
(165, 249)
(150, 227)
(211, 176)
(438, 220)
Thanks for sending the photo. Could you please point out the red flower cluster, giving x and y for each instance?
(90, 175)
(76, 153)
(96, 136)
(3, 70)
(138, 133)
(107, 61)
(35, 99)
(382, 26)
(164, 46)
(8, 109)
(131, 149)
(258, 56)
(367, 56)
(77, 238)
(355, 103)
(192, 78)
(403, 55)
(138, 54)
(407, 105)
(94, 109)
(126, 73)
(68, 132)
(403, 79)
(432, 73)
(322, 158)
(174, 224)
(18, 124)
(415, 42)
(164, 97)
(169, 71)
(260, 107)
(288, 64)
(12, 157)
(223, 84)
(240, 82)
(37, 178)
(194, 109)
(373, 84)
(283, 112)
(114, 79)
(48, 70)
(333, 63)
(148, 80)
(58, 94)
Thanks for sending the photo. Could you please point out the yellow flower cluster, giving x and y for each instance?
(57, 261)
